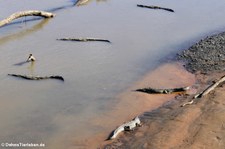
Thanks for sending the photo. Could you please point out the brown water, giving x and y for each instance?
(59, 114)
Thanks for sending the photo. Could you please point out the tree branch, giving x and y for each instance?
(206, 91)
(210, 88)
(26, 13)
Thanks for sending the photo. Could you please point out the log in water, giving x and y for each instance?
(155, 7)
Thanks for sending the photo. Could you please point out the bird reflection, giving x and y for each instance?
(31, 67)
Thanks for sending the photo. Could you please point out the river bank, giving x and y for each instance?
(83, 110)
(132, 103)
(200, 125)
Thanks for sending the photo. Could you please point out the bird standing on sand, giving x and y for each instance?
(31, 58)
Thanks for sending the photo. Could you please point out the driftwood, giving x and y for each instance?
(84, 39)
(206, 91)
(29, 77)
(126, 127)
(26, 13)
(188, 103)
(156, 7)
(81, 2)
(210, 88)
(163, 91)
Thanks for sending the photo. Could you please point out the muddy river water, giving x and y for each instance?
(59, 113)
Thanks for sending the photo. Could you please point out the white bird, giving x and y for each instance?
(31, 58)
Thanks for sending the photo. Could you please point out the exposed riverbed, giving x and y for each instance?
(196, 125)
(64, 114)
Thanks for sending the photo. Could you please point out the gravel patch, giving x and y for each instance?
(205, 56)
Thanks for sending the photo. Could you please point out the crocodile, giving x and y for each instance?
(29, 77)
(126, 127)
(163, 91)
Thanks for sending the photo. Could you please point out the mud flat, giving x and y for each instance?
(200, 125)
(131, 103)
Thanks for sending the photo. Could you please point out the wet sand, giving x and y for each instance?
(131, 103)
(200, 125)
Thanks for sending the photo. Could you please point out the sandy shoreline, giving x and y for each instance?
(201, 125)
(83, 111)
(132, 103)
